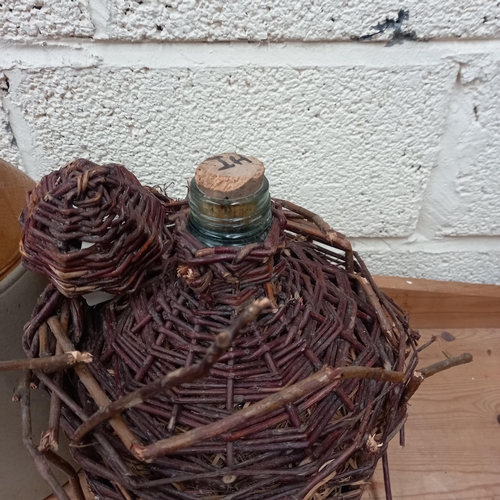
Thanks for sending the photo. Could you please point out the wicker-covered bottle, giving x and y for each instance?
(255, 360)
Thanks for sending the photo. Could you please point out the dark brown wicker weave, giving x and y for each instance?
(319, 321)
(104, 206)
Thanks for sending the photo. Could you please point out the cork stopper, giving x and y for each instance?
(229, 176)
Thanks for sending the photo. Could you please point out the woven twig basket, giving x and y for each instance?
(251, 373)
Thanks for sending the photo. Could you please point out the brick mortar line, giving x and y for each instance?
(124, 54)
(447, 244)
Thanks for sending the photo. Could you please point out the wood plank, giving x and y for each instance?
(452, 446)
(442, 304)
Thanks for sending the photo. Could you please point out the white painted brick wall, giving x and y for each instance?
(395, 143)
(278, 20)
(26, 19)
(464, 191)
(468, 266)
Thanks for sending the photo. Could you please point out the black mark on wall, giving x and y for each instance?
(399, 34)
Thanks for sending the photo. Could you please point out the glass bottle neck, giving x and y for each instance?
(222, 222)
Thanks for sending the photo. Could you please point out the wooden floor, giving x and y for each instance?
(453, 430)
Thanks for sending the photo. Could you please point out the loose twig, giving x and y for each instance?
(387, 477)
(331, 235)
(315, 382)
(91, 384)
(39, 460)
(181, 376)
(44, 340)
(440, 366)
(420, 375)
(375, 303)
(49, 364)
(50, 438)
(66, 467)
